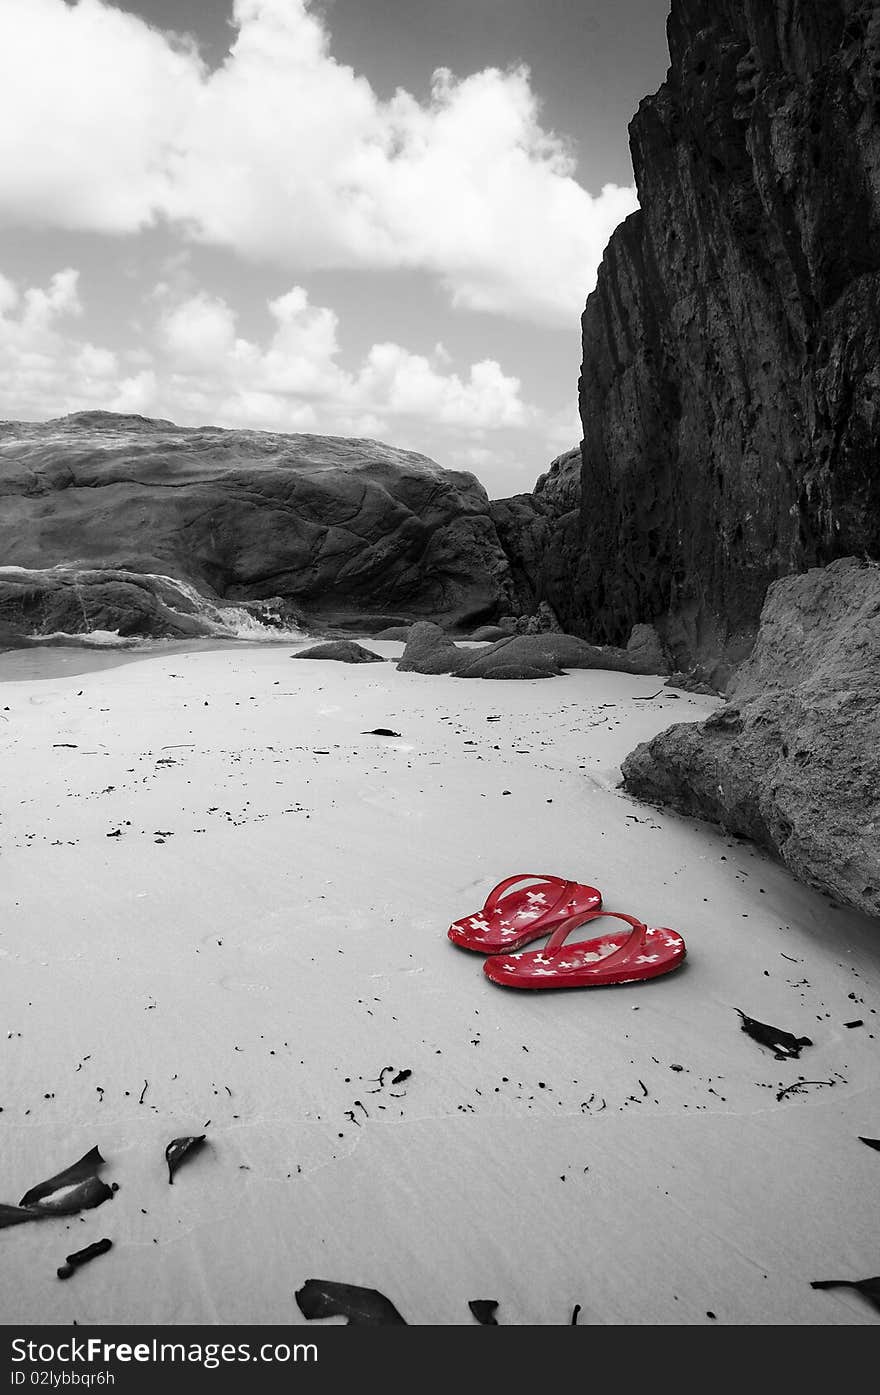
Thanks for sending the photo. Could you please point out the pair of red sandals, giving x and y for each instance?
(552, 906)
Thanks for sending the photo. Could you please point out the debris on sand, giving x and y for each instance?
(783, 1045)
(179, 1149)
(86, 1167)
(798, 1085)
(81, 1257)
(484, 1310)
(77, 1188)
(364, 1307)
(869, 1288)
(397, 1079)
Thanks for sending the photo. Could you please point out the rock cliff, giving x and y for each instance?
(532, 529)
(730, 387)
(101, 510)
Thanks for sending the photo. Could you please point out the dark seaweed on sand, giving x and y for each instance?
(83, 1197)
(783, 1045)
(179, 1149)
(14, 1215)
(81, 1257)
(364, 1307)
(86, 1167)
(484, 1310)
(869, 1288)
(79, 1186)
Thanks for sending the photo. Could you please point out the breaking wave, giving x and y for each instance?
(175, 605)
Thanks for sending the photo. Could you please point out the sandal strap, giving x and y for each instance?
(633, 942)
(497, 892)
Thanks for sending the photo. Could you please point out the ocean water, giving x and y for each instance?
(61, 656)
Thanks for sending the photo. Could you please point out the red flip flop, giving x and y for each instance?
(645, 952)
(508, 922)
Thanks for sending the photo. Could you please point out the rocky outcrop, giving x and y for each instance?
(430, 650)
(533, 529)
(83, 600)
(529, 656)
(344, 651)
(398, 633)
(545, 654)
(793, 761)
(730, 387)
(348, 534)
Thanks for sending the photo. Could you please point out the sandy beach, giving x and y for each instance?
(223, 910)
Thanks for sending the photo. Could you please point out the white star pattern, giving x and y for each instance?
(537, 898)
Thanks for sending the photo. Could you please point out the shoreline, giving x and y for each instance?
(37, 662)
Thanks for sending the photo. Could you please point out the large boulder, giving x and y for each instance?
(352, 534)
(344, 651)
(542, 655)
(429, 649)
(793, 760)
(397, 633)
(523, 656)
(729, 379)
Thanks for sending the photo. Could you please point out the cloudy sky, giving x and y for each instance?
(358, 217)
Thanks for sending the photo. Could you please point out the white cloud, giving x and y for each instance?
(201, 370)
(45, 369)
(287, 156)
(136, 394)
(198, 334)
(90, 101)
(8, 295)
(295, 379)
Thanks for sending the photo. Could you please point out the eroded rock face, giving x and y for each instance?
(730, 388)
(79, 600)
(538, 531)
(351, 534)
(793, 761)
